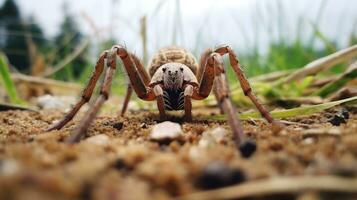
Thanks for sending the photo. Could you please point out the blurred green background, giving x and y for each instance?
(62, 39)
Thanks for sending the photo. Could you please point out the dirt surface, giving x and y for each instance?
(37, 165)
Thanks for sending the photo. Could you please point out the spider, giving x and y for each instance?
(174, 77)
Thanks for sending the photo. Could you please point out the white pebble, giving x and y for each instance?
(211, 137)
(166, 130)
(8, 167)
(101, 139)
(55, 102)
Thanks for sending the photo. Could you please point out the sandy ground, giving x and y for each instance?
(37, 165)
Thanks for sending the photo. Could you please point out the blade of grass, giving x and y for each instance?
(339, 83)
(321, 64)
(329, 46)
(279, 185)
(320, 12)
(9, 85)
(6, 107)
(294, 112)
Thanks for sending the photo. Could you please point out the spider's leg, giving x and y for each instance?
(159, 93)
(214, 74)
(145, 78)
(82, 127)
(137, 79)
(245, 84)
(223, 97)
(86, 95)
(188, 92)
(206, 78)
(129, 91)
(216, 95)
(203, 60)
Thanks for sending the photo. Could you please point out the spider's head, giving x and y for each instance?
(173, 75)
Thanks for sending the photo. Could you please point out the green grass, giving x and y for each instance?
(7, 81)
(294, 112)
(283, 52)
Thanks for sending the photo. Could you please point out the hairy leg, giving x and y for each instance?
(244, 82)
(135, 78)
(129, 91)
(203, 61)
(82, 127)
(144, 76)
(223, 96)
(214, 76)
(86, 95)
(187, 102)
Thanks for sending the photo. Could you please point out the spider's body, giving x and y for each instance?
(172, 54)
(173, 79)
(173, 67)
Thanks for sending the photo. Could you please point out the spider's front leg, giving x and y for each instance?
(82, 128)
(247, 89)
(138, 79)
(86, 95)
(212, 72)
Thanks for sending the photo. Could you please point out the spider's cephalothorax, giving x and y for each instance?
(173, 79)
(173, 67)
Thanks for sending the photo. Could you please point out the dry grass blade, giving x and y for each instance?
(322, 64)
(6, 107)
(294, 112)
(51, 86)
(321, 132)
(280, 185)
(339, 82)
(271, 76)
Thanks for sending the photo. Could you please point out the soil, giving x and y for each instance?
(35, 164)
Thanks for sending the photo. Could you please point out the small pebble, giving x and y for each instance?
(118, 125)
(345, 171)
(218, 174)
(308, 141)
(121, 165)
(166, 131)
(247, 148)
(212, 137)
(143, 125)
(101, 139)
(8, 167)
(54, 102)
(337, 120)
(345, 113)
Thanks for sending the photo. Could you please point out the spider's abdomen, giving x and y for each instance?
(174, 99)
(172, 54)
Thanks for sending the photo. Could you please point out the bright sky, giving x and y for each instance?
(241, 23)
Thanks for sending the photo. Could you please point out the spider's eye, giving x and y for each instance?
(181, 68)
(164, 69)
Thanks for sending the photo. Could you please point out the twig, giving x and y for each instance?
(270, 76)
(322, 64)
(58, 86)
(6, 107)
(280, 185)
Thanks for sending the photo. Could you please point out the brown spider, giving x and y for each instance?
(174, 78)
